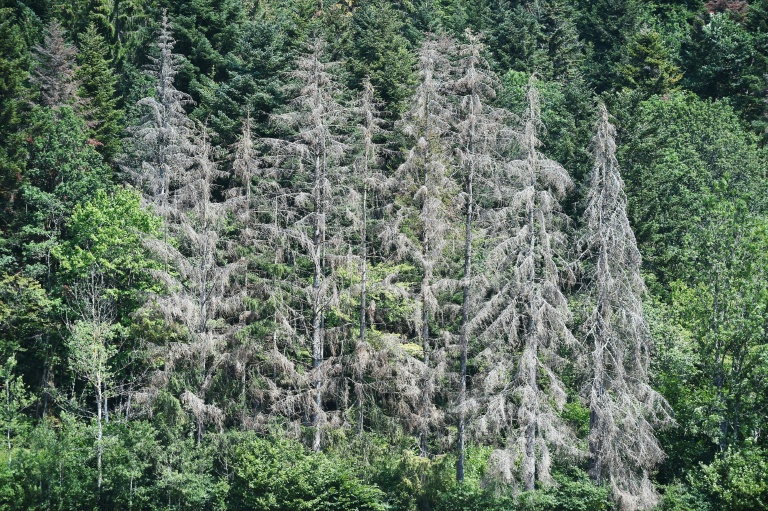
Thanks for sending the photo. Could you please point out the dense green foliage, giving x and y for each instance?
(268, 316)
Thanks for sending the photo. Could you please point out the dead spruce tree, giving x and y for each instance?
(366, 362)
(525, 323)
(418, 231)
(55, 70)
(202, 296)
(268, 369)
(246, 165)
(159, 150)
(481, 139)
(309, 186)
(623, 408)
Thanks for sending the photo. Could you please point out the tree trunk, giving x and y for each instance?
(363, 298)
(8, 428)
(463, 335)
(425, 397)
(364, 266)
(99, 434)
(529, 457)
(317, 313)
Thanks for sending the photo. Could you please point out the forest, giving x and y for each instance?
(384, 255)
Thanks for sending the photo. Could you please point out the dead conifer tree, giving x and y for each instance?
(419, 230)
(159, 150)
(245, 167)
(202, 296)
(526, 320)
(368, 178)
(260, 203)
(307, 215)
(623, 408)
(55, 71)
(482, 138)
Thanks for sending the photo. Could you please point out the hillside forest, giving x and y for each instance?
(406, 255)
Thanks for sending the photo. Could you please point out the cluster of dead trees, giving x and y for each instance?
(312, 284)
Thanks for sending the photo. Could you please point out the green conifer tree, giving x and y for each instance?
(97, 82)
(14, 70)
(648, 66)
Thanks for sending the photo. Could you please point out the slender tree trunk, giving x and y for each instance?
(463, 336)
(99, 435)
(596, 399)
(8, 428)
(425, 283)
(364, 265)
(529, 458)
(363, 299)
(598, 355)
(425, 397)
(317, 313)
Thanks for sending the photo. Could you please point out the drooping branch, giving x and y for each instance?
(623, 407)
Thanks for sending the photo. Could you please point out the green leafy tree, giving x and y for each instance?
(106, 269)
(15, 400)
(280, 476)
(255, 72)
(91, 350)
(107, 233)
(721, 300)
(738, 481)
(63, 169)
(680, 153)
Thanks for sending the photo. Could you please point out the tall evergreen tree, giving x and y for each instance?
(311, 161)
(536, 36)
(524, 391)
(481, 139)
(14, 72)
(97, 84)
(647, 65)
(420, 230)
(159, 150)
(55, 71)
(381, 52)
(623, 407)
(202, 295)
(367, 176)
(607, 26)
